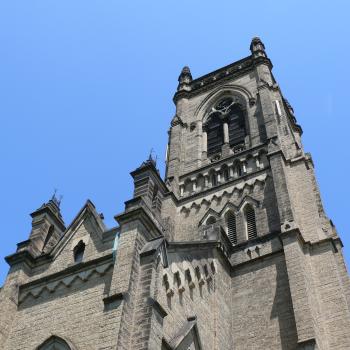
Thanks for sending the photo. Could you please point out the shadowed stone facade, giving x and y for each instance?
(232, 250)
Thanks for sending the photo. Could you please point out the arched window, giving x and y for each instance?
(225, 173)
(231, 227)
(238, 169)
(78, 252)
(250, 221)
(54, 343)
(215, 134)
(236, 125)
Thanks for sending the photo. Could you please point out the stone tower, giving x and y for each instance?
(232, 250)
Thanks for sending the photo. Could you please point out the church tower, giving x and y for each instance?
(231, 250)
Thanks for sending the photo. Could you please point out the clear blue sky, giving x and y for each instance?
(86, 91)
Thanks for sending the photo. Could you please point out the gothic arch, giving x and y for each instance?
(225, 118)
(56, 343)
(242, 94)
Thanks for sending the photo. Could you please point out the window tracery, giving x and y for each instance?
(225, 124)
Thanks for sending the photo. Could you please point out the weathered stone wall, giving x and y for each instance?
(262, 310)
(258, 188)
(76, 313)
(207, 299)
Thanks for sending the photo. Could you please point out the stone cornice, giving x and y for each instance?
(244, 179)
(229, 72)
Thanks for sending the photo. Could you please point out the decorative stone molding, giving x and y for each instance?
(191, 274)
(218, 196)
(34, 289)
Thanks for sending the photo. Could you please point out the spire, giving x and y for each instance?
(185, 79)
(257, 47)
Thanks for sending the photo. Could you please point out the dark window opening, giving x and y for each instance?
(251, 222)
(79, 252)
(214, 179)
(231, 227)
(225, 174)
(215, 135)
(236, 126)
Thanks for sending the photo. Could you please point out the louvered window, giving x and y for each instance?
(236, 126)
(251, 222)
(215, 135)
(231, 228)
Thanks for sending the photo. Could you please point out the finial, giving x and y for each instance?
(56, 200)
(152, 159)
(185, 79)
(257, 47)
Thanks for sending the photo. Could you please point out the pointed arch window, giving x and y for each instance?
(78, 252)
(225, 173)
(226, 121)
(54, 343)
(250, 222)
(231, 227)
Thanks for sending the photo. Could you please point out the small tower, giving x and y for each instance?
(47, 228)
(148, 185)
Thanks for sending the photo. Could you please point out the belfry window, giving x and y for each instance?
(215, 135)
(78, 252)
(250, 221)
(231, 227)
(225, 125)
(236, 125)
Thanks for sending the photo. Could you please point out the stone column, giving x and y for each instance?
(181, 190)
(226, 136)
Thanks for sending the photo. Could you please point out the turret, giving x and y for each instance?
(148, 185)
(47, 228)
